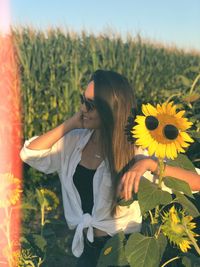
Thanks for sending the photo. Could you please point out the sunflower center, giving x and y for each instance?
(151, 123)
(170, 132)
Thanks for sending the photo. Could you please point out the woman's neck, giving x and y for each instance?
(96, 142)
(95, 138)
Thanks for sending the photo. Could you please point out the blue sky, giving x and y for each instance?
(173, 22)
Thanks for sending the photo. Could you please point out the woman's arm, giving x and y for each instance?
(48, 139)
(45, 153)
(130, 180)
(192, 178)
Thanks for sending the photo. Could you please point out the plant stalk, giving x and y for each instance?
(194, 83)
(193, 240)
(161, 168)
(173, 259)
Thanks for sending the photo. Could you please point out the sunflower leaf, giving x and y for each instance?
(190, 260)
(195, 135)
(150, 195)
(40, 197)
(28, 206)
(178, 185)
(123, 202)
(139, 250)
(162, 242)
(182, 161)
(187, 204)
(113, 253)
(191, 97)
(184, 80)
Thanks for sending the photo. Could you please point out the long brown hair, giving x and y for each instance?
(114, 98)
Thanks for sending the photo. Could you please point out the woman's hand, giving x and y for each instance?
(48, 139)
(76, 121)
(131, 179)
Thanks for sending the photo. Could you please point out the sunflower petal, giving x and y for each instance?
(178, 147)
(152, 147)
(161, 150)
(186, 137)
(148, 110)
(173, 150)
(180, 114)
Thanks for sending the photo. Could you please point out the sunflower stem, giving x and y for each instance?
(42, 218)
(173, 259)
(161, 168)
(158, 232)
(194, 84)
(157, 213)
(152, 218)
(193, 240)
(171, 96)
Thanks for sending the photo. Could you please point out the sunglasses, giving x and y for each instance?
(89, 104)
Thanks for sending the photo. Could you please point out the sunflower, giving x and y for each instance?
(10, 190)
(176, 225)
(162, 130)
(48, 199)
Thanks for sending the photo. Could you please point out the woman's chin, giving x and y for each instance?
(89, 125)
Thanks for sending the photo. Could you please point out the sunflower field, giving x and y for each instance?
(55, 65)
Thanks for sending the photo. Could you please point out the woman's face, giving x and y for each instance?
(91, 119)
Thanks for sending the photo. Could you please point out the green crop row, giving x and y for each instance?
(55, 65)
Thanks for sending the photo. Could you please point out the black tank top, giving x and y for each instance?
(83, 180)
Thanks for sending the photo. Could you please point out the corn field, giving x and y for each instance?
(55, 65)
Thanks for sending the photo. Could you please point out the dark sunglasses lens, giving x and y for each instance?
(170, 132)
(151, 123)
(89, 104)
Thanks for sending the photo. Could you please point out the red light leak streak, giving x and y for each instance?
(10, 144)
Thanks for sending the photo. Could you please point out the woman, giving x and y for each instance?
(93, 159)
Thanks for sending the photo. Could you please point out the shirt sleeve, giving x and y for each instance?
(50, 160)
(45, 160)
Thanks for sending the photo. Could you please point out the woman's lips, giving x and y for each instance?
(85, 118)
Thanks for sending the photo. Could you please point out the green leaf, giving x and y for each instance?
(162, 243)
(123, 202)
(28, 206)
(191, 97)
(187, 205)
(182, 161)
(113, 253)
(39, 241)
(142, 251)
(195, 135)
(191, 260)
(149, 196)
(178, 185)
(184, 80)
(40, 197)
(36, 243)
